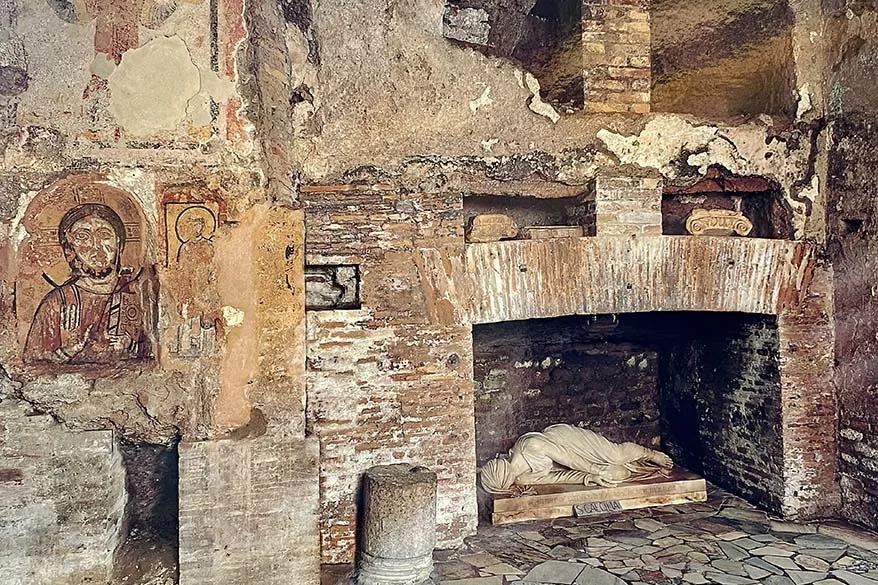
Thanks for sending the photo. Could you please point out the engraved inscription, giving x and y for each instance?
(597, 508)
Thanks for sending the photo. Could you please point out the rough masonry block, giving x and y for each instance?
(248, 512)
(62, 496)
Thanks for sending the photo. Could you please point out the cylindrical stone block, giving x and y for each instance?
(398, 530)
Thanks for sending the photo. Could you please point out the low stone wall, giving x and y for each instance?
(62, 497)
(248, 512)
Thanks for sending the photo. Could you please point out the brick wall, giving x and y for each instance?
(531, 374)
(62, 495)
(392, 381)
(616, 55)
(625, 206)
(721, 404)
(808, 396)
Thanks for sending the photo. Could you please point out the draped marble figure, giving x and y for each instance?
(567, 454)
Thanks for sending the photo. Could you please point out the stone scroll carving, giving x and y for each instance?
(567, 454)
(96, 293)
(718, 222)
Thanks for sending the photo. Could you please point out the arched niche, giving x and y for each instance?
(85, 291)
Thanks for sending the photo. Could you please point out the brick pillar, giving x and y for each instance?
(809, 405)
(616, 55)
(627, 206)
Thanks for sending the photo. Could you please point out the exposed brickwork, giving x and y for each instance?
(531, 374)
(721, 403)
(529, 279)
(62, 494)
(616, 55)
(626, 206)
(248, 512)
(808, 399)
(390, 382)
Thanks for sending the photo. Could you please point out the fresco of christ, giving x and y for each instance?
(98, 315)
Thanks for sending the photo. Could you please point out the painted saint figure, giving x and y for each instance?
(97, 316)
(568, 454)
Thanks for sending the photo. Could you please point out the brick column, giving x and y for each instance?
(808, 400)
(616, 55)
(627, 206)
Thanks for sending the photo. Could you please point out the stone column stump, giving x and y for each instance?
(398, 531)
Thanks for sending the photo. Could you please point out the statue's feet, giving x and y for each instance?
(662, 459)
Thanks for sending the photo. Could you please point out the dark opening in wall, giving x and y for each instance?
(544, 36)
(757, 199)
(533, 211)
(704, 387)
(722, 58)
(150, 546)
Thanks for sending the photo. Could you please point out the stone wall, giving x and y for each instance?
(721, 404)
(853, 247)
(531, 374)
(385, 382)
(62, 496)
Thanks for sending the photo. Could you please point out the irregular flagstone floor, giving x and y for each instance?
(724, 541)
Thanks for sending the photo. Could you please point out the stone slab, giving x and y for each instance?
(561, 500)
(543, 232)
(62, 496)
(680, 481)
(248, 512)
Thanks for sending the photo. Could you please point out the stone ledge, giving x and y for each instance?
(528, 279)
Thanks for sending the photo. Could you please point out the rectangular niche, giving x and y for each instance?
(703, 387)
(533, 211)
(723, 58)
(331, 287)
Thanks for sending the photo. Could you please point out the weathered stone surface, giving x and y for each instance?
(398, 530)
(468, 25)
(491, 227)
(62, 495)
(505, 280)
(248, 512)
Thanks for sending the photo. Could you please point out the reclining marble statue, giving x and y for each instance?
(568, 454)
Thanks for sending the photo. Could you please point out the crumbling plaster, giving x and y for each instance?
(392, 89)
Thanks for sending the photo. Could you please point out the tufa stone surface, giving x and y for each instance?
(62, 496)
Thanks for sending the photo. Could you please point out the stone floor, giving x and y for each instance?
(724, 541)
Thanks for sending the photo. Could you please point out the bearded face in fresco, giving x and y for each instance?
(94, 245)
(97, 315)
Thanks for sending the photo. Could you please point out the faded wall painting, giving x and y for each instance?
(95, 295)
(191, 217)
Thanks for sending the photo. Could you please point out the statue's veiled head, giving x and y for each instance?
(496, 478)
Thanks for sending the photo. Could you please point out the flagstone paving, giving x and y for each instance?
(723, 541)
